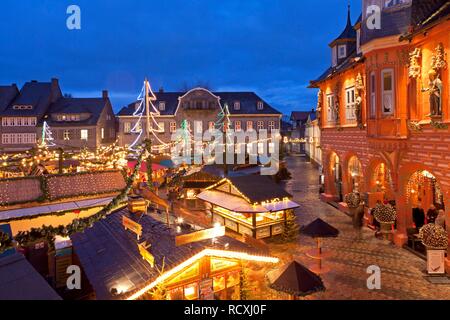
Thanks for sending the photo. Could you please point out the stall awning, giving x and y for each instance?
(237, 204)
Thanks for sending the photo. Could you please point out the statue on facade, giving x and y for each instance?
(336, 105)
(359, 86)
(435, 91)
(319, 108)
(435, 85)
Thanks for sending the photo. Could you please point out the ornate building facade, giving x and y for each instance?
(383, 109)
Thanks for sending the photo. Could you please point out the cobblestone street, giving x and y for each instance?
(402, 273)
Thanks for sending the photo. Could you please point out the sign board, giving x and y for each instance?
(146, 255)
(436, 261)
(200, 235)
(206, 289)
(132, 226)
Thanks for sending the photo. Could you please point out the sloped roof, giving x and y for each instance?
(7, 94)
(20, 281)
(300, 115)
(110, 257)
(37, 94)
(259, 188)
(248, 103)
(426, 12)
(349, 32)
(93, 106)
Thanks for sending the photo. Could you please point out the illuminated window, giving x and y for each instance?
(219, 283)
(211, 126)
(260, 125)
(173, 126)
(84, 134)
(161, 127)
(66, 135)
(191, 291)
(126, 127)
(249, 125)
(237, 125)
(350, 104)
(331, 113)
(102, 133)
(387, 85)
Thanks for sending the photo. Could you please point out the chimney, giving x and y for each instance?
(161, 90)
(55, 82)
(105, 94)
(34, 81)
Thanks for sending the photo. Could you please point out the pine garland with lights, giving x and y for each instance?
(291, 229)
(48, 233)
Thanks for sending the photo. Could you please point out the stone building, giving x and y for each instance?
(384, 110)
(75, 122)
(247, 111)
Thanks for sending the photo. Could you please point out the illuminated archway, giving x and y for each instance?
(381, 181)
(423, 187)
(355, 174)
(335, 175)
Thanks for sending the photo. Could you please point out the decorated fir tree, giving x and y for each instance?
(291, 228)
(245, 287)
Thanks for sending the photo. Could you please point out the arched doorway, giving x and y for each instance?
(423, 187)
(336, 175)
(381, 181)
(355, 174)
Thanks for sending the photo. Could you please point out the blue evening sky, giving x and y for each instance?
(271, 47)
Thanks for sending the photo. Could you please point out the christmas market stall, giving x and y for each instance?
(250, 205)
(142, 258)
(192, 185)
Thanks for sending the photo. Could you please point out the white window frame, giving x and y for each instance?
(84, 134)
(260, 105)
(66, 135)
(386, 93)
(238, 125)
(271, 125)
(162, 106)
(331, 117)
(237, 105)
(127, 127)
(260, 125)
(249, 125)
(343, 55)
(173, 126)
(350, 104)
(373, 94)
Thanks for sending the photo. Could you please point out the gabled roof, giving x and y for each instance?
(7, 94)
(37, 94)
(300, 115)
(93, 106)
(259, 188)
(248, 103)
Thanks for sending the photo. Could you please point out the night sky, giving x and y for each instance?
(271, 47)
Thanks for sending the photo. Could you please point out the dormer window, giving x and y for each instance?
(342, 51)
(260, 105)
(162, 106)
(334, 56)
(237, 105)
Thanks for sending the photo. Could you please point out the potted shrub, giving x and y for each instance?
(353, 201)
(435, 239)
(386, 215)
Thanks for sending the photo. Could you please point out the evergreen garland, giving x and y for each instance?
(48, 233)
(291, 229)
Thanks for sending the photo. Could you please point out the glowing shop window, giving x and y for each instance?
(219, 283)
(260, 148)
(233, 279)
(191, 292)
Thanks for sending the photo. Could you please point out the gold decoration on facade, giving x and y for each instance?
(319, 107)
(414, 126)
(336, 105)
(415, 69)
(435, 84)
(359, 86)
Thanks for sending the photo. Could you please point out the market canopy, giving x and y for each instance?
(320, 229)
(298, 281)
